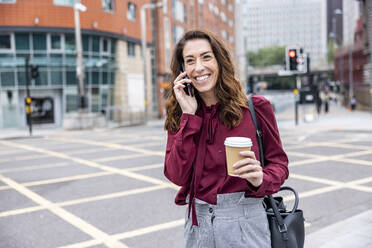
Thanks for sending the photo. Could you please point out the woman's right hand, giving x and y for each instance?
(187, 103)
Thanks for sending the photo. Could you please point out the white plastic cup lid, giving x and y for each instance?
(238, 142)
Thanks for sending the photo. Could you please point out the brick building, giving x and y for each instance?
(44, 30)
(179, 16)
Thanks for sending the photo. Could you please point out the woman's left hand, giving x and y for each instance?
(249, 168)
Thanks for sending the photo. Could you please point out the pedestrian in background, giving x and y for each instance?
(319, 103)
(353, 103)
(326, 102)
(223, 211)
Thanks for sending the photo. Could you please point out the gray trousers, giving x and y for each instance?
(235, 222)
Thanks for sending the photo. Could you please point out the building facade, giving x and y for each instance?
(350, 15)
(175, 19)
(43, 30)
(335, 23)
(300, 23)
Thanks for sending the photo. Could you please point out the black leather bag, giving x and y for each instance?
(287, 227)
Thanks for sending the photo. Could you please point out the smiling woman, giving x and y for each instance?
(223, 210)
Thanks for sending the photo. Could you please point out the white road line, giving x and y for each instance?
(65, 215)
(66, 179)
(20, 211)
(105, 144)
(354, 161)
(112, 195)
(35, 167)
(85, 200)
(150, 229)
(145, 167)
(329, 158)
(121, 157)
(14, 158)
(93, 164)
(132, 234)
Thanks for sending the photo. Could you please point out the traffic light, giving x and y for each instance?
(28, 101)
(34, 71)
(292, 57)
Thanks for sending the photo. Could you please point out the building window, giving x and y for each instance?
(55, 42)
(64, 2)
(22, 41)
(95, 44)
(132, 11)
(7, 1)
(69, 42)
(5, 42)
(179, 11)
(131, 49)
(39, 42)
(105, 48)
(108, 5)
(177, 33)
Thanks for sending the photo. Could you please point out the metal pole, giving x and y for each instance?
(144, 56)
(143, 47)
(28, 115)
(79, 59)
(370, 48)
(351, 90)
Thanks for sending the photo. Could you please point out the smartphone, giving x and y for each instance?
(189, 89)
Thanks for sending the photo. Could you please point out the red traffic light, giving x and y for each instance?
(292, 53)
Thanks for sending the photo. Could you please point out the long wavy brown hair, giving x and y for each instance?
(228, 89)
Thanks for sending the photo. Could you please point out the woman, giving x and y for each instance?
(225, 211)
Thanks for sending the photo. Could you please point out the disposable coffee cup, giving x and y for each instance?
(234, 145)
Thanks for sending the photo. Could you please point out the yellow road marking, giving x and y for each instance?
(35, 167)
(65, 215)
(110, 145)
(84, 200)
(146, 167)
(95, 150)
(66, 179)
(93, 164)
(15, 158)
(121, 157)
(355, 161)
(148, 144)
(132, 234)
(339, 157)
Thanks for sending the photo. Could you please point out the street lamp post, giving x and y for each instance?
(79, 58)
(334, 27)
(143, 46)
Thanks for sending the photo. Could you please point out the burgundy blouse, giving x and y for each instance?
(196, 160)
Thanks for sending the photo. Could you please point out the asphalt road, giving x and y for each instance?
(106, 188)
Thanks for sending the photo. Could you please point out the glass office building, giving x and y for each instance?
(55, 90)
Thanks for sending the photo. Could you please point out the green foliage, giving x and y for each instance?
(274, 55)
(331, 51)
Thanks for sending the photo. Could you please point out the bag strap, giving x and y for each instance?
(258, 131)
(280, 221)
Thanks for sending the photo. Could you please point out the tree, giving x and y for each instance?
(274, 55)
(331, 51)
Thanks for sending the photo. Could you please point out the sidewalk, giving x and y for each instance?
(356, 231)
(338, 118)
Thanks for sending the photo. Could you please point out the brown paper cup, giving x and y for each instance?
(233, 146)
